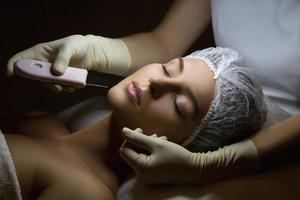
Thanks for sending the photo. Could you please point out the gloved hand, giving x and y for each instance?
(169, 163)
(90, 52)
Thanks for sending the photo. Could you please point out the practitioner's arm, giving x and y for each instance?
(184, 22)
(279, 144)
(169, 163)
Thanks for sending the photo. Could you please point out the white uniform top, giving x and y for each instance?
(267, 35)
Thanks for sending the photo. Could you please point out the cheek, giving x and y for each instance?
(121, 105)
(157, 111)
(175, 132)
(178, 133)
(160, 118)
(117, 97)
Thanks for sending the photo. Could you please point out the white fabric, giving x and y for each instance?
(267, 35)
(9, 185)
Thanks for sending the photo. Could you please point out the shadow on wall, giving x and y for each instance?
(26, 23)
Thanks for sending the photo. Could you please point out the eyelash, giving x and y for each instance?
(176, 106)
(165, 70)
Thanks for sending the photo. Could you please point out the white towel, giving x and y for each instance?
(9, 185)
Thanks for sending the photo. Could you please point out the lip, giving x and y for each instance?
(134, 92)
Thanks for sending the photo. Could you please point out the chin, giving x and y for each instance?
(123, 109)
(119, 101)
(117, 97)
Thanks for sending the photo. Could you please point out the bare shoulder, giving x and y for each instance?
(39, 124)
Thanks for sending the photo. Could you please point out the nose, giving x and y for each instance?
(160, 86)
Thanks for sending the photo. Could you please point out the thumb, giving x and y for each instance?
(138, 139)
(54, 87)
(137, 161)
(62, 61)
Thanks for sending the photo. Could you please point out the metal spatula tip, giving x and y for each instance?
(95, 85)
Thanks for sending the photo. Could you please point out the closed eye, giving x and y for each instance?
(177, 109)
(165, 71)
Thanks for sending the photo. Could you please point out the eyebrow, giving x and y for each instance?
(189, 92)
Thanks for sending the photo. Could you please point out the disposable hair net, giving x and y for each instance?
(238, 108)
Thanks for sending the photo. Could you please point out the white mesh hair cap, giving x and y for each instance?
(238, 108)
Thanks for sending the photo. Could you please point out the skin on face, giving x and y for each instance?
(166, 105)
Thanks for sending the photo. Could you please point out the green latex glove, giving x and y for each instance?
(169, 163)
(90, 52)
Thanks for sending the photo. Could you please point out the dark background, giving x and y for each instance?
(26, 23)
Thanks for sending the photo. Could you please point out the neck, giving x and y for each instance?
(100, 141)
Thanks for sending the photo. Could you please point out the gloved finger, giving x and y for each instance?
(11, 62)
(68, 88)
(123, 144)
(126, 144)
(10, 66)
(135, 160)
(154, 136)
(130, 146)
(163, 138)
(54, 87)
(139, 130)
(61, 61)
(140, 140)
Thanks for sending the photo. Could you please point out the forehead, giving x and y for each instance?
(196, 65)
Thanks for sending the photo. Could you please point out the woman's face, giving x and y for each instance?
(167, 99)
